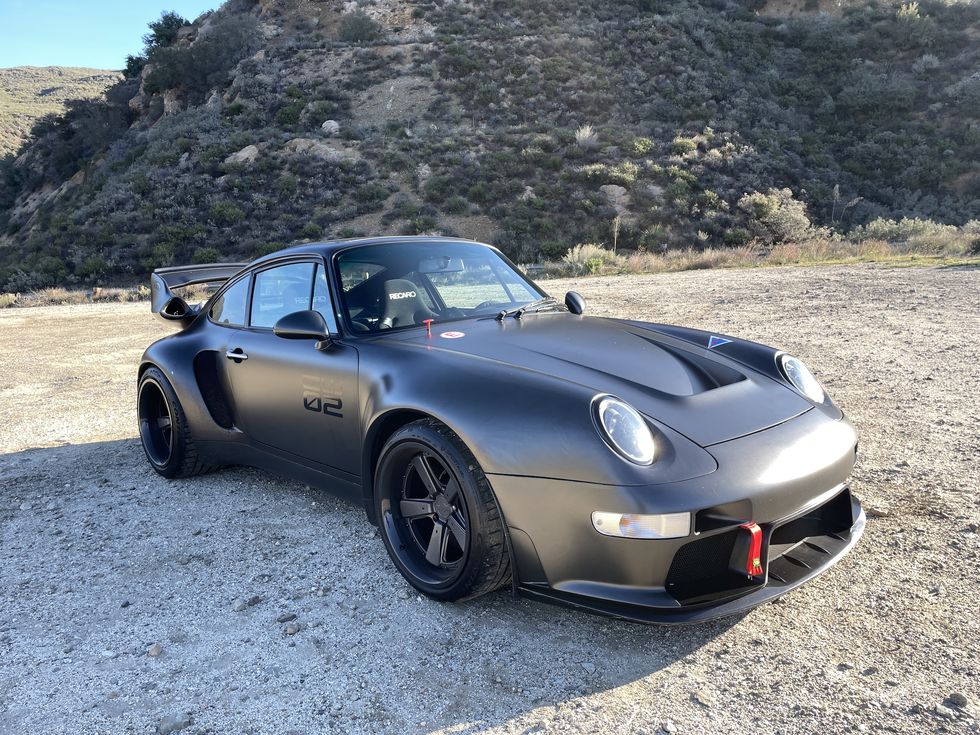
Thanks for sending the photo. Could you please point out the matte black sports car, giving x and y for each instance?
(497, 436)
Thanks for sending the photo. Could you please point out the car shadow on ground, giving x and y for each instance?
(106, 558)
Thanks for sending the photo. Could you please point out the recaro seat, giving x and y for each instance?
(403, 305)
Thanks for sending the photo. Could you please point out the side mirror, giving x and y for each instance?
(303, 325)
(575, 302)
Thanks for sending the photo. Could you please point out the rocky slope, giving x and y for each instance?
(641, 123)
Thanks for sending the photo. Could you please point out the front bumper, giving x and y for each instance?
(790, 480)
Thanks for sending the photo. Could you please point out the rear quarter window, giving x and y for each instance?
(229, 308)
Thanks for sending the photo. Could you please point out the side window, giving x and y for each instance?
(321, 294)
(229, 307)
(281, 291)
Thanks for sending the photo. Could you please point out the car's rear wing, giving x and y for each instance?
(170, 307)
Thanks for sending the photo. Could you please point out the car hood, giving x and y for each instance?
(695, 391)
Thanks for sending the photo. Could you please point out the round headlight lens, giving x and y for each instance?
(802, 379)
(625, 430)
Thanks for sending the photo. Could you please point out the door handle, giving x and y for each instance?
(236, 354)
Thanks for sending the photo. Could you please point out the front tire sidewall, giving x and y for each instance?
(388, 487)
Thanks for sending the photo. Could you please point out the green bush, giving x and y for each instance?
(641, 146)
(682, 145)
(358, 27)
(311, 231)
(206, 255)
(92, 268)
(288, 115)
(226, 213)
(776, 217)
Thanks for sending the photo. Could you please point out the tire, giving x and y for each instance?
(166, 438)
(468, 557)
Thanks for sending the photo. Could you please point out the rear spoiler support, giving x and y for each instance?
(172, 308)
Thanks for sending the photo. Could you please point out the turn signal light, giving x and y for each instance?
(631, 525)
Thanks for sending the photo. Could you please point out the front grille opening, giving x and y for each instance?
(833, 517)
(710, 569)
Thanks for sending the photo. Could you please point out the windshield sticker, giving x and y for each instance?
(453, 335)
(714, 341)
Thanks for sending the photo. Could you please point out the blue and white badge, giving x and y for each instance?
(714, 341)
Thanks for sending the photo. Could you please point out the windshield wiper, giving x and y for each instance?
(518, 311)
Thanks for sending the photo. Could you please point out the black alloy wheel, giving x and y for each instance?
(438, 517)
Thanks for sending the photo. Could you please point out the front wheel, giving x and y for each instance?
(439, 520)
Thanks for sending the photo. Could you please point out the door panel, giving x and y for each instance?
(297, 399)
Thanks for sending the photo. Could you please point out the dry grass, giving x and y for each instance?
(60, 296)
(593, 260)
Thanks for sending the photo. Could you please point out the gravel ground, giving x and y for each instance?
(132, 604)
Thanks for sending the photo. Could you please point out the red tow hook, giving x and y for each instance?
(428, 327)
(753, 562)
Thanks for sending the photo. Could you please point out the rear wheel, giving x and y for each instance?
(167, 441)
(439, 520)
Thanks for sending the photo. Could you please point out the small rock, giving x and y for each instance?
(196, 532)
(704, 698)
(246, 155)
(292, 628)
(286, 618)
(330, 127)
(589, 667)
(124, 604)
(870, 671)
(404, 594)
(25, 506)
(239, 605)
(957, 699)
(875, 511)
(174, 723)
(254, 600)
(668, 726)
(945, 712)
(155, 650)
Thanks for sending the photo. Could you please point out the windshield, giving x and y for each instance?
(398, 285)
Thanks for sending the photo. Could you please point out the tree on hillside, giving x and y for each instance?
(163, 33)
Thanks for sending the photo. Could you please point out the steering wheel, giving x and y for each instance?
(486, 305)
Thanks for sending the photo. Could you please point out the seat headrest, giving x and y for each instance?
(403, 304)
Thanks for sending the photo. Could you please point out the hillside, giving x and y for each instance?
(648, 124)
(30, 92)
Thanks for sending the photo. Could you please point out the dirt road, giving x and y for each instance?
(133, 604)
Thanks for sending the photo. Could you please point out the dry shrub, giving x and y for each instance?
(592, 259)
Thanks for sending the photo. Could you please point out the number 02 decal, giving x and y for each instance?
(328, 406)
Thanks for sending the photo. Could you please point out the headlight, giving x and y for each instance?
(802, 379)
(624, 430)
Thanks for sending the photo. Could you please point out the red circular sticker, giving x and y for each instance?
(453, 335)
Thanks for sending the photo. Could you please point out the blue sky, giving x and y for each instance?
(97, 34)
